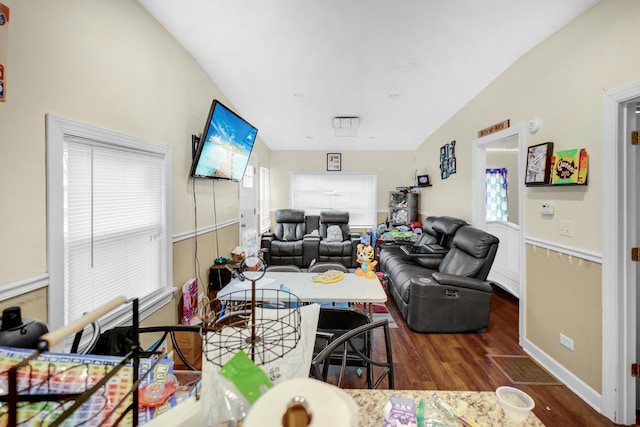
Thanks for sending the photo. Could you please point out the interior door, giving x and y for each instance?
(633, 202)
(248, 211)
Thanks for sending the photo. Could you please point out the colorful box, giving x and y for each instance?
(565, 165)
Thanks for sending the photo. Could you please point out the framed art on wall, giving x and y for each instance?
(334, 161)
(538, 169)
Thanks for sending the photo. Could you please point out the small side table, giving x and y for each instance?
(219, 277)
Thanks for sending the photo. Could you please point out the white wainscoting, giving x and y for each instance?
(505, 271)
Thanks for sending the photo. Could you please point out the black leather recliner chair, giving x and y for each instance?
(289, 243)
(454, 296)
(341, 247)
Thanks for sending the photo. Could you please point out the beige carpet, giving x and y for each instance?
(521, 369)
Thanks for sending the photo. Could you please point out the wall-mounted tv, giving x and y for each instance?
(224, 149)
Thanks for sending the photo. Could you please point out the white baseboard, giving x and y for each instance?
(575, 384)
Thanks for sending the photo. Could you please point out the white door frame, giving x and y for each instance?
(248, 204)
(478, 197)
(618, 285)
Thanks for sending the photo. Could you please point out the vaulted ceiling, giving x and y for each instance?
(402, 66)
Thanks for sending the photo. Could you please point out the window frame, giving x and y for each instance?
(57, 131)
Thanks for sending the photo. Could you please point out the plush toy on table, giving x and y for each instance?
(367, 263)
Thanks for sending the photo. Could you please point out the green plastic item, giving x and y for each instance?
(249, 379)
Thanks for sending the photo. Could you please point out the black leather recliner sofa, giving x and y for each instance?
(444, 292)
(301, 240)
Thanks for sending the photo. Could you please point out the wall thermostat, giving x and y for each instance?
(547, 208)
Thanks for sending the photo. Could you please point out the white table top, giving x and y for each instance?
(352, 288)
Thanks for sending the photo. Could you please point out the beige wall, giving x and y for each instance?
(564, 297)
(561, 82)
(111, 65)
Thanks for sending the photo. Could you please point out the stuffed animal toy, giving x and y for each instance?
(367, 263)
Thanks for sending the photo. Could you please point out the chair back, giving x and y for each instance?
(321, 267)
(472, 253)
(339, 219)
(445, 227)
(284, 268)
(290, 225)
(347, 347)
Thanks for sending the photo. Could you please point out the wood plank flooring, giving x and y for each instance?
(460, 362)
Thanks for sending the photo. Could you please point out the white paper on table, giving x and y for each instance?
(260, 283)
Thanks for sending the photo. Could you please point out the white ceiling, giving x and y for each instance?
(403, 66)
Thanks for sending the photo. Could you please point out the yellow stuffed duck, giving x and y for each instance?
(367, 263)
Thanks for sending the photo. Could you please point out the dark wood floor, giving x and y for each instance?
(460, 362)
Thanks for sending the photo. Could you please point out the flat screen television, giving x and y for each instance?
(224, 149)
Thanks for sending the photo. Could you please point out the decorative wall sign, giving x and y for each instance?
(334, 161)
(539, 164)
(4, 47)
(447, 159)
(570, 166)
(494, 128)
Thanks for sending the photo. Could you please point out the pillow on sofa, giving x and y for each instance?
(334, 233)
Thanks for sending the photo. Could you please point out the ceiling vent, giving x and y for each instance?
(346, 126)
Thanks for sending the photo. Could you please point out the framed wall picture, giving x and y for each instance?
(447, 159)
(538, 170)
(334, 161)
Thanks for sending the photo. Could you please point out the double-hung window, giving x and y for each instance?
(352, 192)
(109, 221)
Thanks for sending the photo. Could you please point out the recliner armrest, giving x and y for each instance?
(310, 245)
(418, 254)
(461, 281)
(268, 236)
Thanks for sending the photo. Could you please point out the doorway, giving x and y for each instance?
(620, 233)
(247, 205)
(502, 149)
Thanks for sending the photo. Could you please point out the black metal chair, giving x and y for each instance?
(352, 346)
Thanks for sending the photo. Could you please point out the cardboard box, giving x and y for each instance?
(399, 411)
(190, 344)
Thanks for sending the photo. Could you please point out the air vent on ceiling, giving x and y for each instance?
(346, 126)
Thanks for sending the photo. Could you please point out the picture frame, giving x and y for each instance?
(334, 161)
(538, 171)
(447, 160)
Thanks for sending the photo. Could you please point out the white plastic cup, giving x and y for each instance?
(516, 403)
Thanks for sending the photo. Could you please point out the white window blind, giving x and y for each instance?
(112, 201)
(265, 203)
(356, 193)
(114, 225)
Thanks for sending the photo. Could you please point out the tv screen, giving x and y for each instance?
(225, 146)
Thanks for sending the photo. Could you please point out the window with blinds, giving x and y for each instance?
(353, 192)
(111, 198)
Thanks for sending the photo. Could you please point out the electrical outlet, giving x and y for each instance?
(566, 341)
(566, 228)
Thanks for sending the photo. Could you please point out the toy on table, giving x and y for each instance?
(329, 276)
(364, 257)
